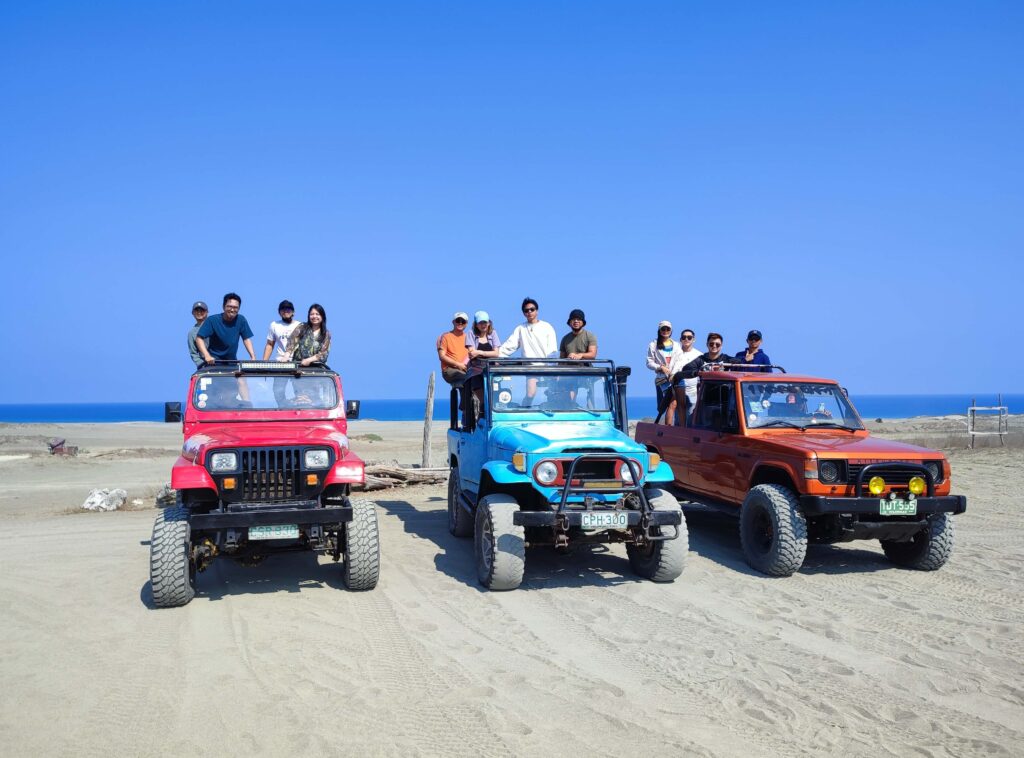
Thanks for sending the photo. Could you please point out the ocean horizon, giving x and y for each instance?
(640, 406)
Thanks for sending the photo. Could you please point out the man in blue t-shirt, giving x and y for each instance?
(754, 356)
(218, 337)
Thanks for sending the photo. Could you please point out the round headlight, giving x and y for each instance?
(916, 485)
(828, 471)
(626, 473)
(223, 462)
(317, 459)
(546, 472)
(935, 469)
(876, 485)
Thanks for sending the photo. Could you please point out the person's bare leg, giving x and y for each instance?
(531, 392)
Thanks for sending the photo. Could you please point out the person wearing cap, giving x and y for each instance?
(217, 339)
(453, 352)
(659, 360)
(482, 342)
(280, 332)
(199, 313)
(579, 344)
(754, 356)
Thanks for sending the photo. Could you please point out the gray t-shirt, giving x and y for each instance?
(576, 343)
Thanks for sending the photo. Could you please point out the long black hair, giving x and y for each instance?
(323, 326)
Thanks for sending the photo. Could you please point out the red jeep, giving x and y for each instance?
(790, 456)
(265, 467)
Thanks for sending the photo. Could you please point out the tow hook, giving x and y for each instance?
(204, 553)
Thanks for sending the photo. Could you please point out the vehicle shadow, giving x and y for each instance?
(285, 572)
(716, 536)
(586, 565)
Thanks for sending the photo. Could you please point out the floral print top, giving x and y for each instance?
(305, 344)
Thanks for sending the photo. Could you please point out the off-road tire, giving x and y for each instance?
(773, 531)
(928, 550)
(460, 521)
(664, 560)
(498, 544)
(362, 547)
(171, 575)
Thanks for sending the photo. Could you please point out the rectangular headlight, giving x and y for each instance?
(317, 459)
(223, 462)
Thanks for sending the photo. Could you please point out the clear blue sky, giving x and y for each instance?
(846, 178)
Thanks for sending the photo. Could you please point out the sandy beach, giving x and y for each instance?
(851, 656)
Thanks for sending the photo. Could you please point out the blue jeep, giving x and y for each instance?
(542, 457)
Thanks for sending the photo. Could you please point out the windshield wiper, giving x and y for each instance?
(834, 424)
(779, 422)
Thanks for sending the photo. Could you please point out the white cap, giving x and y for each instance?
(665, 323)
(461, 314)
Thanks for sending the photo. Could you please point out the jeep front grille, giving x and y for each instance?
(269, 473)
(892, 476)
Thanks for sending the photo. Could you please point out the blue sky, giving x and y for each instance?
(846, 178)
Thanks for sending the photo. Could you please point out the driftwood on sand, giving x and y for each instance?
(381, 476)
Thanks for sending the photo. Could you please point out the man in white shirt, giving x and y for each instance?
(534, 339)
(277, 342)
(689, 386)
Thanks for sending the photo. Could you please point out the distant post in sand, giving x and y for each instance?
(428, 416)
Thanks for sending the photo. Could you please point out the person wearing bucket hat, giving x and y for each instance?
(579, 344)
(754, 356)
(659, 360)
(199, 313)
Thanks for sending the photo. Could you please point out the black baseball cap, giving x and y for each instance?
(200, 305)
(753, 334)
(286, 305)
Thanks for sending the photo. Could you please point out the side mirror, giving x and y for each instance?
(352, 409)
(172, 413)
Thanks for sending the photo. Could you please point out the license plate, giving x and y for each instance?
(275, 532)
(603, 520)
(897, 507)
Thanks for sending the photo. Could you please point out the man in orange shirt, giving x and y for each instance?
(453, 352)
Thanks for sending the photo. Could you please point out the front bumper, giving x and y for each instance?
(243, 515)
(575, 518)
(817, 505)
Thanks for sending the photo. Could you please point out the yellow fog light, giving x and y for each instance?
(917, 485)
(312, 480)
(519, 462)
(876, 485)
(653, 461)
(229, 483)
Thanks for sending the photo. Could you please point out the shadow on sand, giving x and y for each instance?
(593, 565)
(716, 536)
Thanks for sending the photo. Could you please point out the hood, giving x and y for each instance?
(277, 434)
(547, 437)
(847, 445)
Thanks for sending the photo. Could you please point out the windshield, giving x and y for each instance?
(265, 393)
(550, 392)
(797, 404)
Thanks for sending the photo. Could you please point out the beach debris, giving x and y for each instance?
(382, 476)
(59, 446)
(137, 502)
(105, 500)
(166, 496)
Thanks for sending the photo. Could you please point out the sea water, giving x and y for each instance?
(869, 407)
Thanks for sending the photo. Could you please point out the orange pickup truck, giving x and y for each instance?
(790, 456)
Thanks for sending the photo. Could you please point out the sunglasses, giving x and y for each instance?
(687, 337)
(714, 344)
(665, 329)
(461, 321)
(529, 310)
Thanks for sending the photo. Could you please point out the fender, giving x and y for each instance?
(348, 470)
(502, 472)
(661, 475)
(187, 475)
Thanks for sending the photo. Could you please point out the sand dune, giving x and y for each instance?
(850, 656)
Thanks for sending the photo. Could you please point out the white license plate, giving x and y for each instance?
(604, 520)
(275, 532)
(897, 507)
